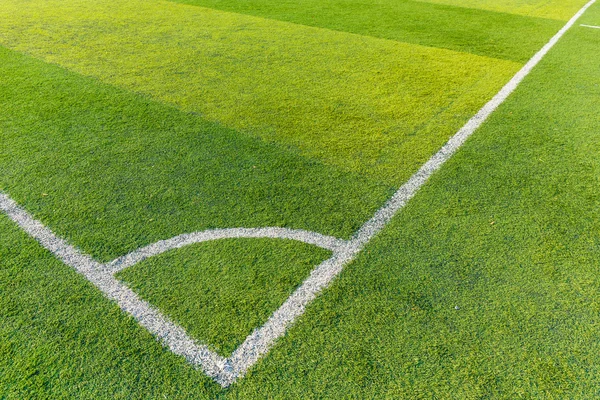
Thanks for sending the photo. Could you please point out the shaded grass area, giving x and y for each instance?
(372, 106)
(60, 338)
(555, 9)
(219, 292)
(486, 285)
(455, 27)
(113, 171)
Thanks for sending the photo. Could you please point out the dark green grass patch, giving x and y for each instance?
(113, 171)
(220, 291)
(487, 33)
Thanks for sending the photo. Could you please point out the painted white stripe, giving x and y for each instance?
(316, 239)
(263, 338)
(590, 26)
(226, 370)
(408, 190)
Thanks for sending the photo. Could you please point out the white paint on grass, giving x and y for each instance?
(591, 26)
(223, 370)
(408, 190)
(316, 239)
(226, 370)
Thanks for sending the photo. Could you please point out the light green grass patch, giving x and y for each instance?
(341, 98)
(554, 9)
(220, 291)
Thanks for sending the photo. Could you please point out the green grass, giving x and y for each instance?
(61, 338)
(366, 105)
(508, 231)
(221, 291)
(455, 27)
(561, 10)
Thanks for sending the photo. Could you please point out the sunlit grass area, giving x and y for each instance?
(488, 29)
(114, 171)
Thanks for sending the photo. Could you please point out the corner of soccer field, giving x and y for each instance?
(308, 199)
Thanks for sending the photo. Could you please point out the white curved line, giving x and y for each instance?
(186, 239)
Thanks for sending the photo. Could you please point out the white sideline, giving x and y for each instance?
(261, 340)
(226, 370)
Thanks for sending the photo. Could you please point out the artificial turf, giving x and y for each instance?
(496, 34)
(486, 284)
(372, 106)
(61, 338)
(114, 171)
(483, 287)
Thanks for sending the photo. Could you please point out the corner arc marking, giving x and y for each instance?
(326, 242)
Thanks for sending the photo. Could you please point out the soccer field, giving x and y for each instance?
(307, 199)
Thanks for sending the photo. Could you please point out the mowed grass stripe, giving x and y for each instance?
(555, 9)
(112, 171)
(486, 285)
(455, 27)
(341, 98)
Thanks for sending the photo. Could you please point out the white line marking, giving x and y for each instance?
(221, 369)
(263, 338)
(590, 26)
(316, 239)
(226, 370)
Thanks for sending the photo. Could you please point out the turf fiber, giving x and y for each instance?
(484, 286)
